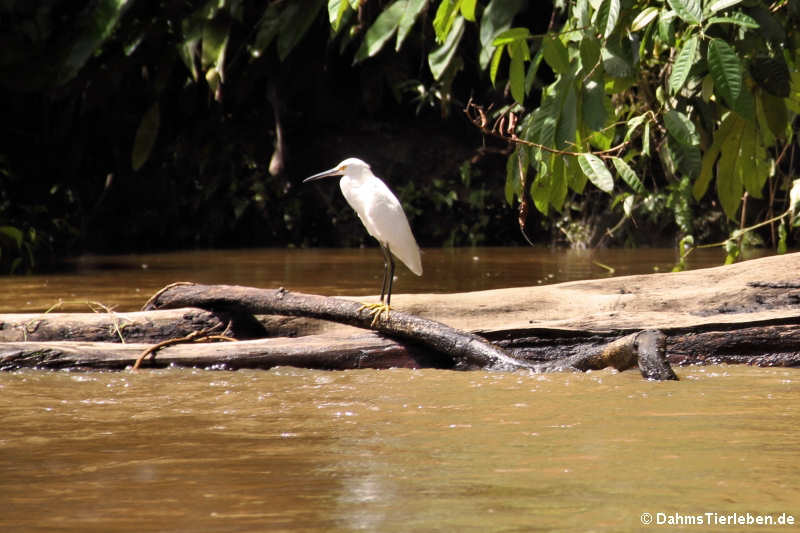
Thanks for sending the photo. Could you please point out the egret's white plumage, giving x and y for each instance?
(380, 212)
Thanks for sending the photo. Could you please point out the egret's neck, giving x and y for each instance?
(358, 175)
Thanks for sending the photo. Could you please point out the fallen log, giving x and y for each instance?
(368, 350)
(768, 342)
(108, 326)
(468, 351)
(315, 351)
(743, 313)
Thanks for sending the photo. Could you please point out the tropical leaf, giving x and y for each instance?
(782, 235)
(533, 69)
(681, 128)
(495, 65)
(719, 5)
(559, 183)
(336, 12)
(686, 158)
(594, 169)
(606, 17)
(468, 9)
(666, 20)
(731, 123)
(628, 175)
(683, 63)
(516, 73)
(555, 54)
(146, 135)
(444, 19)
(689, 11)
(268, 28)
(296, 19)
(645, 17)
(215, 43)
(771, 73)
(589, 49)
(774, 113)
(726, 71)
(540, 189)
(567, 118)
(496, 18)
(753, 166)
(89, 32)
(633, 123)
(511, 35)
(593, 103)
(381, 30)
(628, 204)
(769, 26)
(13, 234)
(616, 62)
(575, 178)
(440, 59)
(728, 180)
(409, 16)
(545, 121)
(738, 19)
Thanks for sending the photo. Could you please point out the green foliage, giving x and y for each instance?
(146, 136)
(652, 103)
(721, 112)
(46, 55)
(17, 249)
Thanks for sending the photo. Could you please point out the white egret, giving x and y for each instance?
(383, 217)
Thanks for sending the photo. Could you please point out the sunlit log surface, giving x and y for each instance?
(107, 326)
(744, 313)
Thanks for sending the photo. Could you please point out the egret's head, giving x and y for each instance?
(352, 166)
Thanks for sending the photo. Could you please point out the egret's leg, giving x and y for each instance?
(376, 309)
(388, 257)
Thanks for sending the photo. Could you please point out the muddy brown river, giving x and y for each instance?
(181, 450)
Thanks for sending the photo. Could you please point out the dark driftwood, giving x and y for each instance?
(432, 344)
(647, 349)
(367, 350)
(770, 342)
(466, 350)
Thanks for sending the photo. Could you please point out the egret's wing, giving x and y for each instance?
(391, 228)
(381, 213)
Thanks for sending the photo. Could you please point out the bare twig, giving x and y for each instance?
(205, 335)
(477, 116)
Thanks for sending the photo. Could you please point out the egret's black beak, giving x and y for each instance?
(332, 172)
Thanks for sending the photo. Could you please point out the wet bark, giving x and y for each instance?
(368, 350)
(468, 351)
(743, 313)
(107, 327)
(423, 343)
(364, 351)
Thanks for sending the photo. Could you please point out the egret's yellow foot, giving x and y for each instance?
(375, 310)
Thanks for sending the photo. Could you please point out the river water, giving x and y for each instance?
(385, 450)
